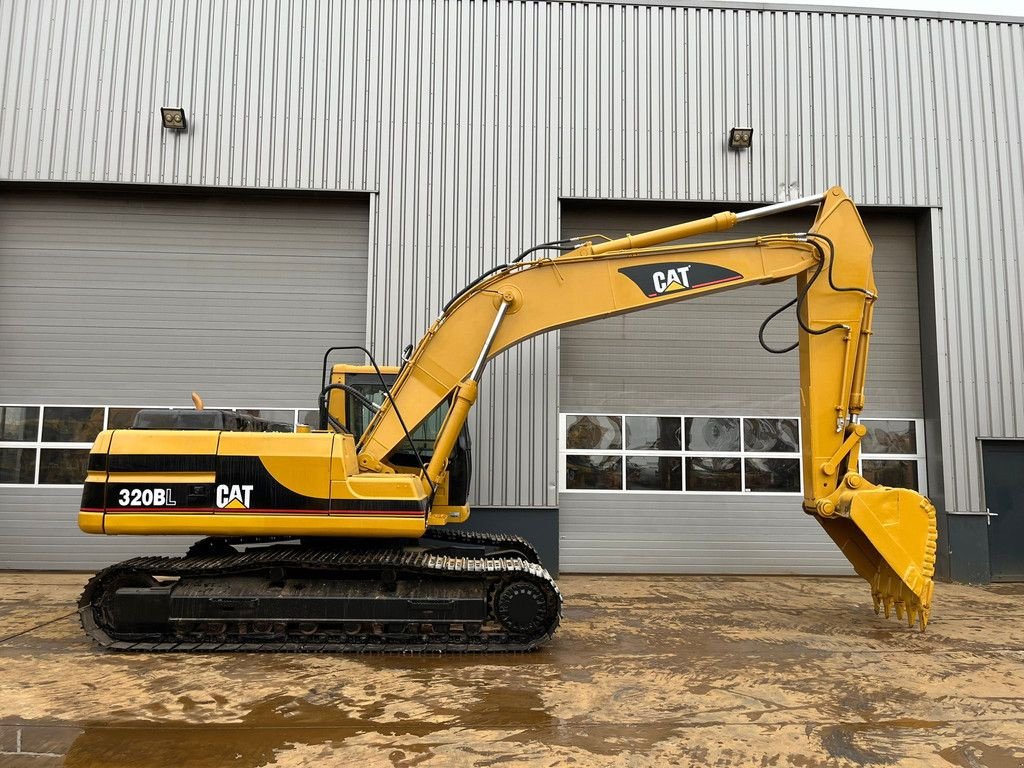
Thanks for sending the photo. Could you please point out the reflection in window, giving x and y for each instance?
(593, 432)
(720, 454)
(64, 424)
(712, 434)
(19, 423)
(654, 473)
(121, 418)
(268, 419)
(358, 415)
(18, 465)
(63, 466)
(273, 415)
(593, 472)
(899, 473)
(713, 473)
(890, 436)
(771, 435)
(653, 433)
(772, 475)
(423, 437)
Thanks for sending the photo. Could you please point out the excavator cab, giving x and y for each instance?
(351, 407)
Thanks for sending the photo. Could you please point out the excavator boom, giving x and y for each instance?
(889, 535)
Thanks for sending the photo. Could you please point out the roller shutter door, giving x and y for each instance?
(128, 299)
(702, 358)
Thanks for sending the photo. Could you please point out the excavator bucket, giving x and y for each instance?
(889, 536)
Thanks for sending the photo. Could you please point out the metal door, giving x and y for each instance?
(1003, 463)
(115, 297)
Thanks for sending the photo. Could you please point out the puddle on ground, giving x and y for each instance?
(845, 739)
(1004, 588)
(271, 726)
(514, 715)
(975, 754)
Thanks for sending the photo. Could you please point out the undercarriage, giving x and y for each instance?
(452, 591)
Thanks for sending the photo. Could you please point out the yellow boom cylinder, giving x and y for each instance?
(716, 223)
(465, 397)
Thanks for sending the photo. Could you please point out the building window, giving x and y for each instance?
(892, 453)
(679, 454)
(65, 438)
(19, 427)
(48, 445)
(720, 454)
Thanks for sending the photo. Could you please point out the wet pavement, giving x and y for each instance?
(701, 671)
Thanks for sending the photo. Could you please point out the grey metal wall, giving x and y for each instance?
(471, 119)
(139, 299)
(110, 299)
(616, 533)
(703, 358)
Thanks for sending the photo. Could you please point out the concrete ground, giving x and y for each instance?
(701, 671)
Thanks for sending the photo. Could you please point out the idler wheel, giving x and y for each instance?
(104, 607)
(522, 607)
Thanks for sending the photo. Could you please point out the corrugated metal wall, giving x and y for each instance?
(111, 299)
(471, 119)
(703, 357)
(277, 95)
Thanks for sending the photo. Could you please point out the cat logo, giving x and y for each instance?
(672, 280)
(233, 496)
(657, 280)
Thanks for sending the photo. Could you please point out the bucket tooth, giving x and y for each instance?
(889, 536)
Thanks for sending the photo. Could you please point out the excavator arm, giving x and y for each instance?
(888, 534)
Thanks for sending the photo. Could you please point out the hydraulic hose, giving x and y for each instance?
(799, 301)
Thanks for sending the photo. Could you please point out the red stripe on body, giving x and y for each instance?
(716, 282)
(231, 510)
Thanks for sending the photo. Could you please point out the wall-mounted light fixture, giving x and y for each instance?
(173, 118)
(740, 138)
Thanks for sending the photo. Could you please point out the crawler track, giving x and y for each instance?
(329, 598)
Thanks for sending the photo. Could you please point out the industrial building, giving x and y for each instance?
(206, 196)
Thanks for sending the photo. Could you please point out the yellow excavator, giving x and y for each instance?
(336, 537)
